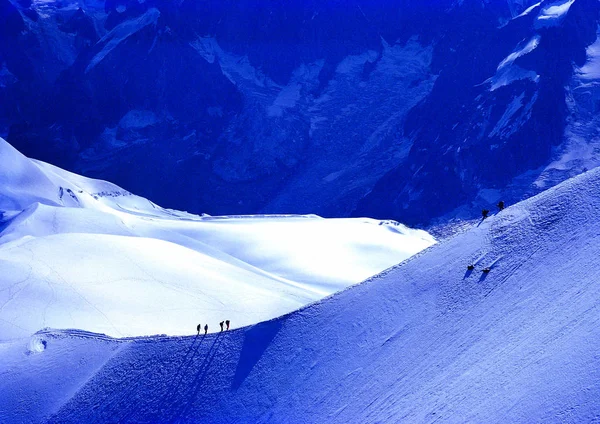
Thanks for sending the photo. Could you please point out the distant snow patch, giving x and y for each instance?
(511, 109)
(554, 14)
(515, 115)
(591, 69)
(286, 98)
(509, 74)
(207, 47)
(6, 77)
(235, 68)
(528, 48)
(121, 32)
(529, 10)
(291, 93)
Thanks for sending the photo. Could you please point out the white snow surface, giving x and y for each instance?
(521, 51)
(82, 253)
(553, 14)
(426, 341)
(508, 72)
(529, 10)
(591, 69)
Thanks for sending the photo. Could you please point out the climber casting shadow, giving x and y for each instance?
(484, 273)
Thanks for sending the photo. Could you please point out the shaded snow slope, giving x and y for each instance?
(83, 253)
(427, 341)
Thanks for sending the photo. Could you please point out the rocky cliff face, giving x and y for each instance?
(387, 109)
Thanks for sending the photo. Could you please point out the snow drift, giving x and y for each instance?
(425, 341)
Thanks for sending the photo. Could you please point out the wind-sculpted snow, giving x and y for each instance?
(426, 341)
(83, 253)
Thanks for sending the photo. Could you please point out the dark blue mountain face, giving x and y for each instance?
(491, 139)
(398, 109)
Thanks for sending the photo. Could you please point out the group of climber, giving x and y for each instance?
(199, 327)
(484, 215)
(471, 267)
(485, 212)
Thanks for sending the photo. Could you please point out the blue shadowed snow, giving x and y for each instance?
(256, 340)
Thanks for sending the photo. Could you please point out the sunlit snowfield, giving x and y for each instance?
(86, 254)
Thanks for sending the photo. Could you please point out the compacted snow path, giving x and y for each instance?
(426, 341)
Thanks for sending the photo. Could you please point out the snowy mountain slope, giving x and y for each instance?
(83, 253)
(427, 341)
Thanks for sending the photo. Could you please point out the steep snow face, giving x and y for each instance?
(83, 253)
(428, 340)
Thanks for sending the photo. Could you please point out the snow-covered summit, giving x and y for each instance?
(82, 253)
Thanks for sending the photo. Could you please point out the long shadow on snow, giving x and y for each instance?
(132, 409)
(190, 396)
(256, 341)
(183, 369)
